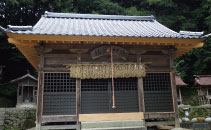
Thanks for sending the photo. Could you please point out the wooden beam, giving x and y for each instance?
(107, 39)
(111, 116)
(158, 115)
(59, 127)
(59, 118)
(166, 123)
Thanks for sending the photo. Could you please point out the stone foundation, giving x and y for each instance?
(19, 118)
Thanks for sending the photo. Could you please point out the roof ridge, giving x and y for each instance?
(19, 28)
(98, 16)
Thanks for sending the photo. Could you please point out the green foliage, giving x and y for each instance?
(196, 111)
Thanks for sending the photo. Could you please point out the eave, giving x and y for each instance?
(26, 43)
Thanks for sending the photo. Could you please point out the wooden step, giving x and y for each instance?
(119, 128)
(60, 127)
(112, 124)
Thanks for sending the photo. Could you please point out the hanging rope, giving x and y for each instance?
(112, 79)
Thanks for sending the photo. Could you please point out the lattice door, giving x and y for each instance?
(96, 95)
(158, 92)
(59, 96)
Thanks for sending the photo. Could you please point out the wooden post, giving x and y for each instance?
(207, 97)
(33, 94)
(18, 95)
(171, 64)
(140, 90)
(78, 95)
(40, 89)
(78, 99)
(22, 100)
(141, 95)
(180, 96)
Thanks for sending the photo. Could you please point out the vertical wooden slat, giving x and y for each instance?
(40, 89)
(174, 90)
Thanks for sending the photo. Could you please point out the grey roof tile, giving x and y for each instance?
(101, 25)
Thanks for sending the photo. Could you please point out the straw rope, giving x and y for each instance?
(98, 71)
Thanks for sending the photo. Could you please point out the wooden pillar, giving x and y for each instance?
(78, 95)
(180, 95)
(78, 100)
(174, 89)
(140, 90)
(22, 99)
(40, 88)
(141, 95)
(207, 97)
(33, 94)
(18, 95)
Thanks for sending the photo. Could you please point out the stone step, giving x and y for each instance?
(1, 128)
(119, 128)
(112, 124)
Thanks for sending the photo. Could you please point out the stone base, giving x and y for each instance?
(26, 105)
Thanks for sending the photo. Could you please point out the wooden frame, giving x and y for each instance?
(58, 118)
(171, 94)
(76, 98)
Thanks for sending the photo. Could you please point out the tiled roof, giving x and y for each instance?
(179, 81)
(203, 80)
(100, 25)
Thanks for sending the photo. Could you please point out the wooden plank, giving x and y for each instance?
(60, 55)
(158, 115)
(165, 123)
(59, 127)
(56, 69)
(111, 116)
(59, 118)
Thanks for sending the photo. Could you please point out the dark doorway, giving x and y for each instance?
(28, 94)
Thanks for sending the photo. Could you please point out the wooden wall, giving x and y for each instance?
(56, 56)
